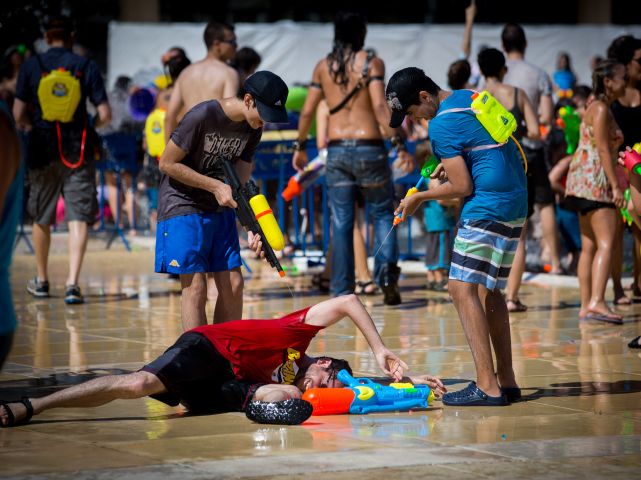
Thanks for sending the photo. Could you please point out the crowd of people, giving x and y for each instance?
(562, 159)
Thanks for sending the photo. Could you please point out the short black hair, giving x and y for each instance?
(513, 38)
(491, 61)
(215, 31)
(60, 27)
(622, 48)
(176, 64)
(581, 91)
(336, 365)
(246, 59)
(458, 74)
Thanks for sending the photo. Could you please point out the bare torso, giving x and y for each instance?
(356, 120)
(209, 79)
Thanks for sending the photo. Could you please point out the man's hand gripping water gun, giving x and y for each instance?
(362, 395)
(431, 168)
(255, 215)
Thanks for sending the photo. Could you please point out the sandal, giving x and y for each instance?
(362, 288)
(635, 343)
(623, 300)
(11, 419)
(517, 306)
(321, 282)
(440, 286)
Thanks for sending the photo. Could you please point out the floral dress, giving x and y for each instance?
(586, 176)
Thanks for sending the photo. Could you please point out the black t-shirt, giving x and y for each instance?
(629, 121)
(207, 135)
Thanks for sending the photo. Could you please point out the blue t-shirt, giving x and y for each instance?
(437, 217)
(9, 217)
(499, 186)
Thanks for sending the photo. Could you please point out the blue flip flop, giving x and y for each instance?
(473, 396)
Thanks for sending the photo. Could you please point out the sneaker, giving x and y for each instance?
(37, 288)
(73, 295)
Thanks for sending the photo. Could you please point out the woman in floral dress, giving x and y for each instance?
(593, 190)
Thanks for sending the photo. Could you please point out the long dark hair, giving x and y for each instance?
(349, 37)
(604, 69)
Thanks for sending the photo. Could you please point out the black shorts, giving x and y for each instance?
(539, 190)
(197, 376)
(584, 206)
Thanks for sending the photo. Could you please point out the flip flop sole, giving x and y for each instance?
(293, 411)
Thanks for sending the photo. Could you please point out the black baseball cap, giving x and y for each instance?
(270, 93)
(403, 89)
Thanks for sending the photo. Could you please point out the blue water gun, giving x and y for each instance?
(362, 395)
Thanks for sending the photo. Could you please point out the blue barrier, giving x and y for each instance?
(273, 162)
(122, 156)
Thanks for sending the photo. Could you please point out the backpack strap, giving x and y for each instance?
(362, 82)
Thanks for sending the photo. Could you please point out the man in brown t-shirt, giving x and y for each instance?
(196, 235)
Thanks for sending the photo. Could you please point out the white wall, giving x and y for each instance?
(292, 49)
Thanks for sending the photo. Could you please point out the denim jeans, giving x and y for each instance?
(366, 168)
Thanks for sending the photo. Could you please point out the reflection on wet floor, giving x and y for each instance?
(581, 410)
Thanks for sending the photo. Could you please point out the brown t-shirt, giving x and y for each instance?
(208, 136)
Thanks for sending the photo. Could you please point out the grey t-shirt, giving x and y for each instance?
(207, 135)
(534, 81)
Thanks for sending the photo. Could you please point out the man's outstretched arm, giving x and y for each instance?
(331, 311)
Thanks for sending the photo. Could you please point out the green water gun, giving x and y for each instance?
(625, 213)
(570, 122)
(428, 169)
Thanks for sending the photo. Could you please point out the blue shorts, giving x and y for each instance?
(198, 243)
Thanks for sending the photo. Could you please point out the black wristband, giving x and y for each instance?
(298, 146)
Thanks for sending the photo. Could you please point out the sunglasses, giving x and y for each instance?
(232, 42)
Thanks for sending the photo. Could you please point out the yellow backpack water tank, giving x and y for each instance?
(496, 119)
(155, 132)
(59, 94)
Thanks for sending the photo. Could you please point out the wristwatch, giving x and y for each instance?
(299, 145)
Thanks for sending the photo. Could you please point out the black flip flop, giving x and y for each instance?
(635, 342)
(293, 411)
(12, 419)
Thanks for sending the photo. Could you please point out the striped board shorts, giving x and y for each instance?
(484, 251)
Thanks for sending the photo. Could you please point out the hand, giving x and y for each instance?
(408, 206)
(617, 197)
(620, 160)
(255, 244)
(223, 195)
(439, 173)
(405, 162)
(299, 160)
(470, 12)
(391, 364)
(434, 383)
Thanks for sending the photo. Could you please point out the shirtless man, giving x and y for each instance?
(209, 79)
(352, 82)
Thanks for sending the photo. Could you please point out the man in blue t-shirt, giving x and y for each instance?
(60, 155)
(490, 178)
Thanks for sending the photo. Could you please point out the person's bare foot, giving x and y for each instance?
(621, 298)
(19, 413)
